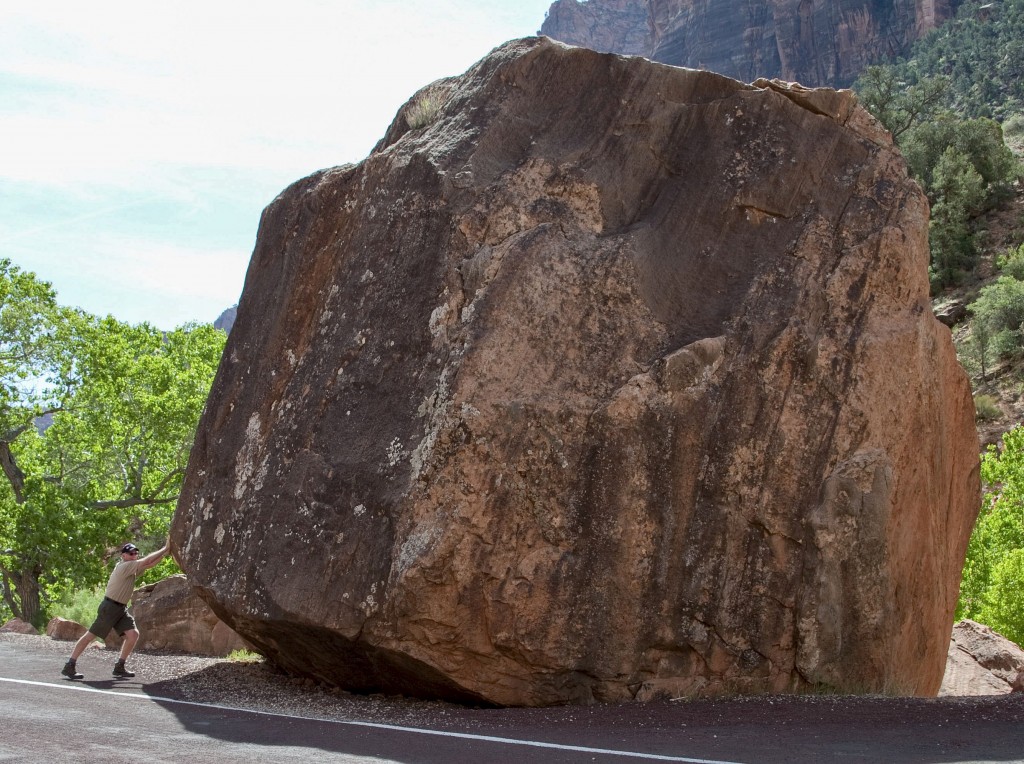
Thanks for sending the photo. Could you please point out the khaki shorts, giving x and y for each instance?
(111, 615)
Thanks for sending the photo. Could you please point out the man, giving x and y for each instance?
(113, 611)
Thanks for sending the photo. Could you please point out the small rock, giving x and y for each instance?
(18, 626)
(951, 313)
(64, 629)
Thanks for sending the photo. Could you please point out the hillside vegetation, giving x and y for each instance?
(956, 109)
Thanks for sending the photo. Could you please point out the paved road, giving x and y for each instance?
(43, 718)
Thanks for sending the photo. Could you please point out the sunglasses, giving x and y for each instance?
(135, 553)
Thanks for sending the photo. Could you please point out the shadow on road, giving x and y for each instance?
(756, 729)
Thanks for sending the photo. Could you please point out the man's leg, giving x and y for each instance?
(69, 670)
(130, 638)
(83, 642)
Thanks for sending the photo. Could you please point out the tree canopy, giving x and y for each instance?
(99, 419)
(992, 590)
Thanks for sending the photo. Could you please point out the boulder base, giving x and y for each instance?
(171, 617)
(604, 380)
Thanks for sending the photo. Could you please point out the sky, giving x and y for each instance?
(140, 141)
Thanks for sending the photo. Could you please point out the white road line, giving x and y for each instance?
(376, 725)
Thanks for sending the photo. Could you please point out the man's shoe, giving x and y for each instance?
(70, 672)
(121, 671)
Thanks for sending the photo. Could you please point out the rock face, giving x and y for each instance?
(226, 319)
(608, 26)
(614, 381)
(171, 617)
(815, 42)
(981, 662)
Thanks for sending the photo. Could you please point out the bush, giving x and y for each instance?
(1014, 126)
(79, 606)
(423, 111)
(244, 656)
(986, 408)
(1011, 262)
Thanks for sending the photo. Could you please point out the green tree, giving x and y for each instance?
(958, 191)
(109, 465)
(974, 350)
(981, 53)
(993, 579)
(999, 312)
(1003, 606)
(932, 145)
(36, 372)
(964, 165)
(898, 97)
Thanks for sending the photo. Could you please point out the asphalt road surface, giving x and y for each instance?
(45, 718)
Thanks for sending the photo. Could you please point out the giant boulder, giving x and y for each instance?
(608, 380)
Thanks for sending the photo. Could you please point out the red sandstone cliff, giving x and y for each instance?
(814, 42)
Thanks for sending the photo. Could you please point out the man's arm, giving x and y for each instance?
(153, 558)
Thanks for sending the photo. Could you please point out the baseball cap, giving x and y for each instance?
(129, 548)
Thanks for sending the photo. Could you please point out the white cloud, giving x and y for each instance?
(117, 115)
(137, 85)
(140, 280)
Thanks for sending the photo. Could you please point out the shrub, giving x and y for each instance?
(1014, 126)
(80, 606)
(986, 408)
(423, 111)
(244, 656)
(1011, 262)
